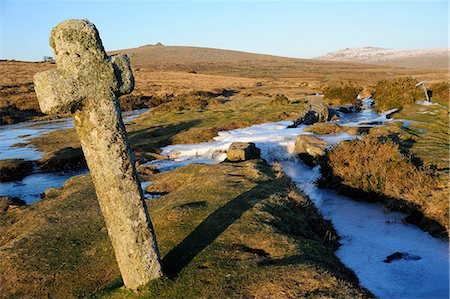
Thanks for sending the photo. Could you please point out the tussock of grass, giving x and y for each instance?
(376, 167)
(247, 233)
(280, 99)
(331, 128)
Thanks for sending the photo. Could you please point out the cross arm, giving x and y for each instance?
(123, 74)
(56, 93)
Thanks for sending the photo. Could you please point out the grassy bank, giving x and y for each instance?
(405, 165)
(250, 234)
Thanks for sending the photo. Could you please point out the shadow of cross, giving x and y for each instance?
(87, 83)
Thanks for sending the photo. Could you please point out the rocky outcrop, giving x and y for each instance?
(67, 158)
(310, 148)
(14, 169)
(349, 109)
(242, 151)
(317, 112)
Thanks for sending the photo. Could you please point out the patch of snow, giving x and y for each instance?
(375, 54)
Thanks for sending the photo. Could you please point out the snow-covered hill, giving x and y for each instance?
(413, 58)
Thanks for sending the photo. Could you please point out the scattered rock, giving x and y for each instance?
(310, 148)
(333, 114)
(349, 109)
(67, 158)
(6, 202)
(14, 169)
(318, 112)
(242, 151)
(401, 256)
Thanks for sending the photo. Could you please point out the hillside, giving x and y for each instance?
(162, 72)
(411, 58)
(235, 63)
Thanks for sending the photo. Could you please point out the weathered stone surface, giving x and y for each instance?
(309, 148)
(14, 169)
(63, 159)
(87, 83)
(317, 112)
(242, 151)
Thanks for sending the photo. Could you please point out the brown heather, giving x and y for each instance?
(376, 167)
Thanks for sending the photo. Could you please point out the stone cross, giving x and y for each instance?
(86, 83)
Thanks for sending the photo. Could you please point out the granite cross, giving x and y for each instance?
(86, 83)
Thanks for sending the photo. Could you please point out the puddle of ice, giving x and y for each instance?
(32, 186)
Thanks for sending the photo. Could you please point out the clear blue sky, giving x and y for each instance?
(293, 28)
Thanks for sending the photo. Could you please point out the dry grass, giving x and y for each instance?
(163, 72)
(331, 128)
(241, 64)
(376, 166)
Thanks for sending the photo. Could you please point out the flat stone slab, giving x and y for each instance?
(308, 144)
(242, 151)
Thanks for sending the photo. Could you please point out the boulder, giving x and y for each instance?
(310, 148)
(67, 158)
(15, 169)
(317, 112)
(242, 151)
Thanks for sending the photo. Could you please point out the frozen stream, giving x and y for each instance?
(369, 234)
(32, 186)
